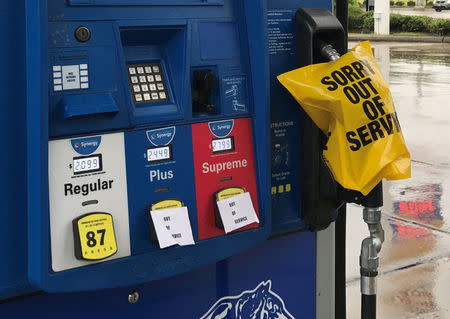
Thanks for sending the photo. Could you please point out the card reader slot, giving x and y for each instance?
(88, 104)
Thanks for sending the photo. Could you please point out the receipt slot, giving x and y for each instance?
(136, 113)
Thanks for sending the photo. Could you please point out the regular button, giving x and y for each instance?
(155, 68)
(134, 79)
(162, 95)
(140, 70)
(150, 78)
(142, 79)
(132, 70)
(138, 97)
(144, 87)
(152, 87)
(148, 69)
(136, 88)
(154, 96)
(147, 96)
(158, 77)
(160, 86)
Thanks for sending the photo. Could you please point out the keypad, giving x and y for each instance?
(147, 83)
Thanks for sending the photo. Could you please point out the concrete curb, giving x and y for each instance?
(393, 38)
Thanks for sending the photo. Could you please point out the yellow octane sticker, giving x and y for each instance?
(94, 236)
(229, 192)
(166, 204)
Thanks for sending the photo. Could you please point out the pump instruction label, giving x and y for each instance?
(237, 212)
(280, 31)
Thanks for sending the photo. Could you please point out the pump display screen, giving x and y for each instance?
(87, 164)
(159, 154)
(222, 145)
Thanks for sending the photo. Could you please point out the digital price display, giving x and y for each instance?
(87, 164)
(159, 154)
(223, 145)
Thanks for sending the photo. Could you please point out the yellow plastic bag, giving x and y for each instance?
(349, 101)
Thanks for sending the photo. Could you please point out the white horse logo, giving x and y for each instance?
(259, 303)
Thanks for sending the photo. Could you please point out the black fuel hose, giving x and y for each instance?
(368, 306)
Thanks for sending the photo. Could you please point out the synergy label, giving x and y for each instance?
(94, 236)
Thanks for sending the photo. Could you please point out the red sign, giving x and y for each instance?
(223, 157)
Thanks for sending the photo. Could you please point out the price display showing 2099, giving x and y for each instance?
(87, 164)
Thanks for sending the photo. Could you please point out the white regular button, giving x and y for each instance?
(83, 72)
(132, 70)
(162, 95)
(160, 86)
(84, 85)
(57, 74)
(57, 88)
(84, 79)
(138, 97)
(57, 81)
(140, 70)
(154, 96)
(142, 79)
(147, 96)
(148, 69)
(83, 66)
(136, 88)
(152, 87)
(56, 68)
(158, 77)
(156, 68)
(134, 79)
(144, 87)
(150, 78)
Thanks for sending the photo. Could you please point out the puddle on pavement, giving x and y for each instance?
(414, 262)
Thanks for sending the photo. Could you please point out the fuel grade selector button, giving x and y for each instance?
(170, 224)
(94, 236)
(234, 209)
(222, 194)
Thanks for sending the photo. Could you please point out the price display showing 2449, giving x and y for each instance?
(94, 236)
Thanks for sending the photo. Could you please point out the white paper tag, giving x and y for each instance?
(237, 212)
(71, 77)
(172, 227)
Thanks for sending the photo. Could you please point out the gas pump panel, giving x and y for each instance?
(154, 118)
(303, 189)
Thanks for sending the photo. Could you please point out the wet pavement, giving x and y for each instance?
(414, 280)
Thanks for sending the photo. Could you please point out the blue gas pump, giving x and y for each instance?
(134, 118)
(120, 111)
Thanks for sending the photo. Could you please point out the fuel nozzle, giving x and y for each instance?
(328, 51)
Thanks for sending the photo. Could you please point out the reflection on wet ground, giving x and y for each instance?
(414, 280)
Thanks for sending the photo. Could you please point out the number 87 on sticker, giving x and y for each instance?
(94, 236)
